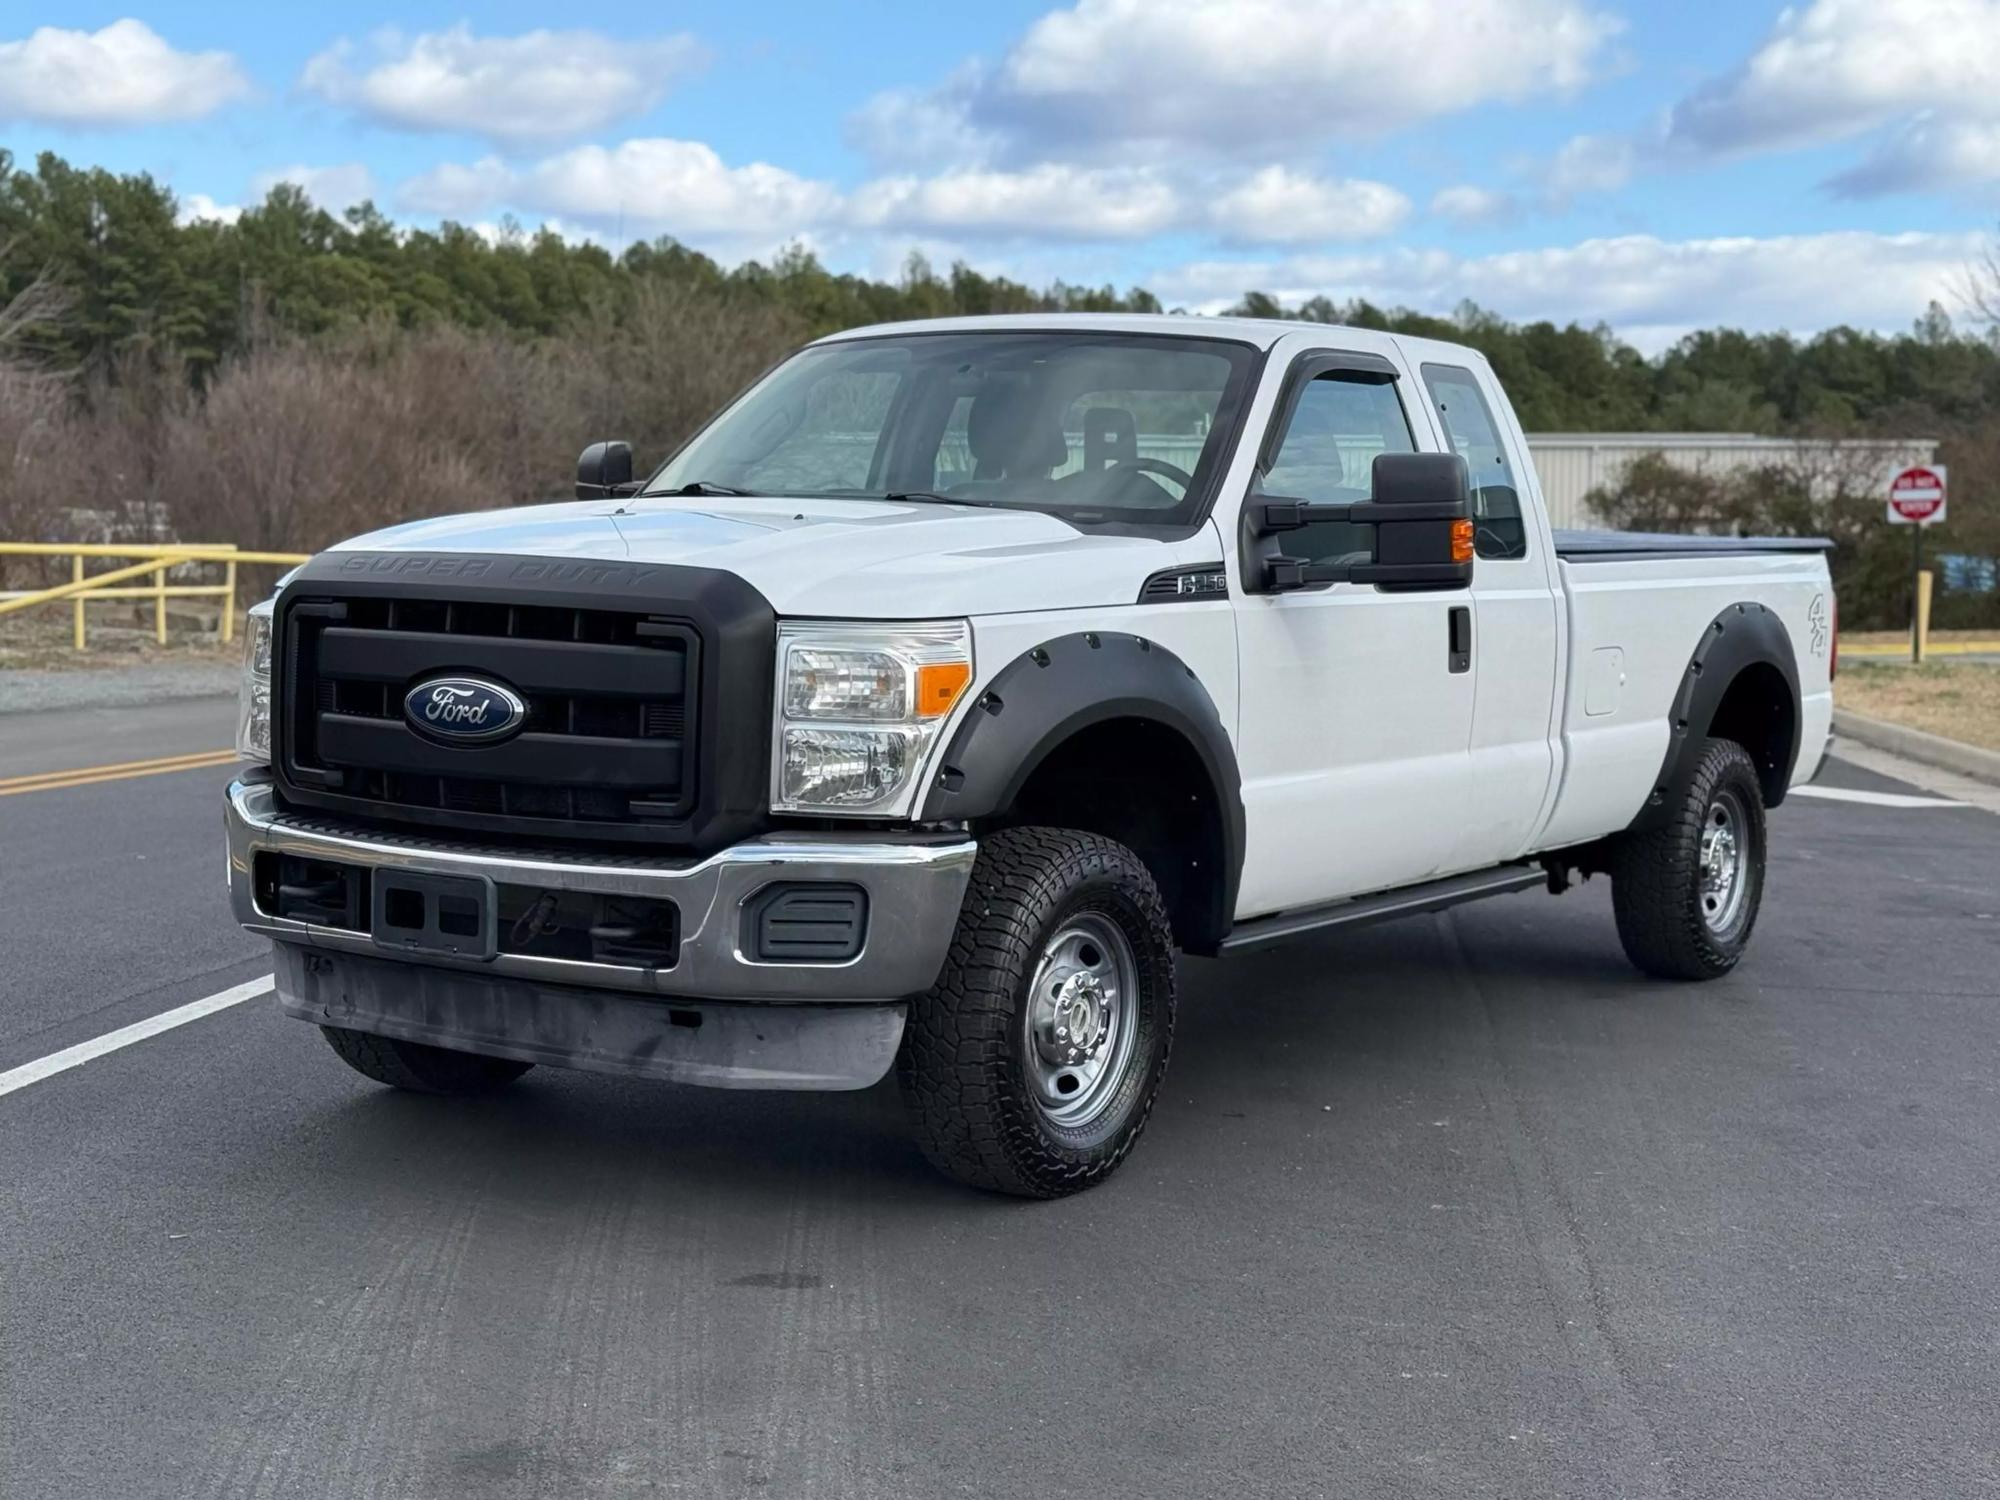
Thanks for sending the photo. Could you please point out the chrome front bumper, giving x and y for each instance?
(914, 892)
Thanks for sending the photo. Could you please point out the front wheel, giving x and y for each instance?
(1686, 893)
(1031, 1065)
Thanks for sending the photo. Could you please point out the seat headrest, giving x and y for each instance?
(1110, 436)
(1008, 436)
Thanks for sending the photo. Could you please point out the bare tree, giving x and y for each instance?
(37, 305)
(1979, 284)
(33, 407)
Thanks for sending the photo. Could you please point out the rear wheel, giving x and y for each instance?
(420, 1068)
(1687, 893)
(1032, 1064)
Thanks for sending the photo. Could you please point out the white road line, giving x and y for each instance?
(125, 1036)
(1873, 799)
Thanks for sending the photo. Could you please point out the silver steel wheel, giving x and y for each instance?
(1081, 1020)
(1724, 862)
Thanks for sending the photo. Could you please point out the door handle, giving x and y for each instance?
(1458, 643)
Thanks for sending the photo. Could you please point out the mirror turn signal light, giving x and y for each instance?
(1461, 541)
(938, 686)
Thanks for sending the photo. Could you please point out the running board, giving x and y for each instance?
(1360, 911)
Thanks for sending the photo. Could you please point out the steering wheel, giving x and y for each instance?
(1158, 466)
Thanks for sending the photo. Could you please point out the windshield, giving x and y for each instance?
(1092, 426)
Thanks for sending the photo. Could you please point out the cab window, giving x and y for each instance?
(1328, 455)
(1498, 530)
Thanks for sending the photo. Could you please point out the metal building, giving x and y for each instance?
(1571, 464)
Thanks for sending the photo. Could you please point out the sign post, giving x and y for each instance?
(1917, 500)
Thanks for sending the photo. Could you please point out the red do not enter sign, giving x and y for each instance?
(1917, 495)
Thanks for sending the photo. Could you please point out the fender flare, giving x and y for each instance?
(1064, 686)
(1744, 635)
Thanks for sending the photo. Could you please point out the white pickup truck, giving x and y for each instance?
(958, 675)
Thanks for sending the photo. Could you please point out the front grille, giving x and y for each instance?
(608, 742)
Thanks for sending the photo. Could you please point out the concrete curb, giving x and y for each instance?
(1915, 744)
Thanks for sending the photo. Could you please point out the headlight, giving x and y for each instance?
(859, 707)
(253, 715)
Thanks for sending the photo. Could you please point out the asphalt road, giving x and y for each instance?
(1459, 1207)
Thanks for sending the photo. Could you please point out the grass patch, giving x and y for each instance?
(1957, 699)
(1902, 637)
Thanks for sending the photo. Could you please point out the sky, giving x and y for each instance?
(1655, 166)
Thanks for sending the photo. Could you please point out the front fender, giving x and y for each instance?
(1042, 698)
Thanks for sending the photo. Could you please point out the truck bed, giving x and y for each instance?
(1623, 546)
(1633, 631)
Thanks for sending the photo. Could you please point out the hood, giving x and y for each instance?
(848, 558)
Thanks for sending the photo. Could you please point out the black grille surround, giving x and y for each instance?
(648, 689)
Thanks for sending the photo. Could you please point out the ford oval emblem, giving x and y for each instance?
(463, 710)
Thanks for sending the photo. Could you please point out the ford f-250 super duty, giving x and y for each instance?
(957, 675)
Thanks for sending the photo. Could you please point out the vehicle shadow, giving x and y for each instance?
(1312, 1018)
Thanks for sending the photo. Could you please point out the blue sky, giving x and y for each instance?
(1656, 166)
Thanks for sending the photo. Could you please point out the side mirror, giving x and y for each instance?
(603, 470)
(1420, 506)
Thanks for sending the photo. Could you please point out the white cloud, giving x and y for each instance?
(1472, 207)
(1648, 289)
(676, 187)
(1589, 164)
(453, 189)
(1270, 70)
(1047, 200)
(515, 91)
(195, 207)
(125, 74)
(1832, 69)
(334, 189)
(644, 186)
(1926, 154)
(1239, 75)
(683, 188)
(918, 127)
(1277, 206)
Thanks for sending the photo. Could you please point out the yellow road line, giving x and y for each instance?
(119, 765)
(49, 781)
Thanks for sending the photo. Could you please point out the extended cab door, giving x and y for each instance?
(1517, 620)
(1355, 719)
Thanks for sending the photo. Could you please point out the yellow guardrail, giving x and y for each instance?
(158, 560)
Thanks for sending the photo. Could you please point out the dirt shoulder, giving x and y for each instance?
(1957, 699)
(40, 668)
(1902, 637)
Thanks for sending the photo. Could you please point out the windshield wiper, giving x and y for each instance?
(906, 497)
(702, 488)
(932, 497)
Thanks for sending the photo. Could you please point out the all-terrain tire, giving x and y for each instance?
(419, 1068)
(967, 1050)
(1671, 923)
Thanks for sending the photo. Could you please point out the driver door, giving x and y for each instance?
(1355, 720)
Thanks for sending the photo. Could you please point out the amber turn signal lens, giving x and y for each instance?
(1461, 541)
(938, 687)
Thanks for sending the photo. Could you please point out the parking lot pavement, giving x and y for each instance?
(1457, 1207)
